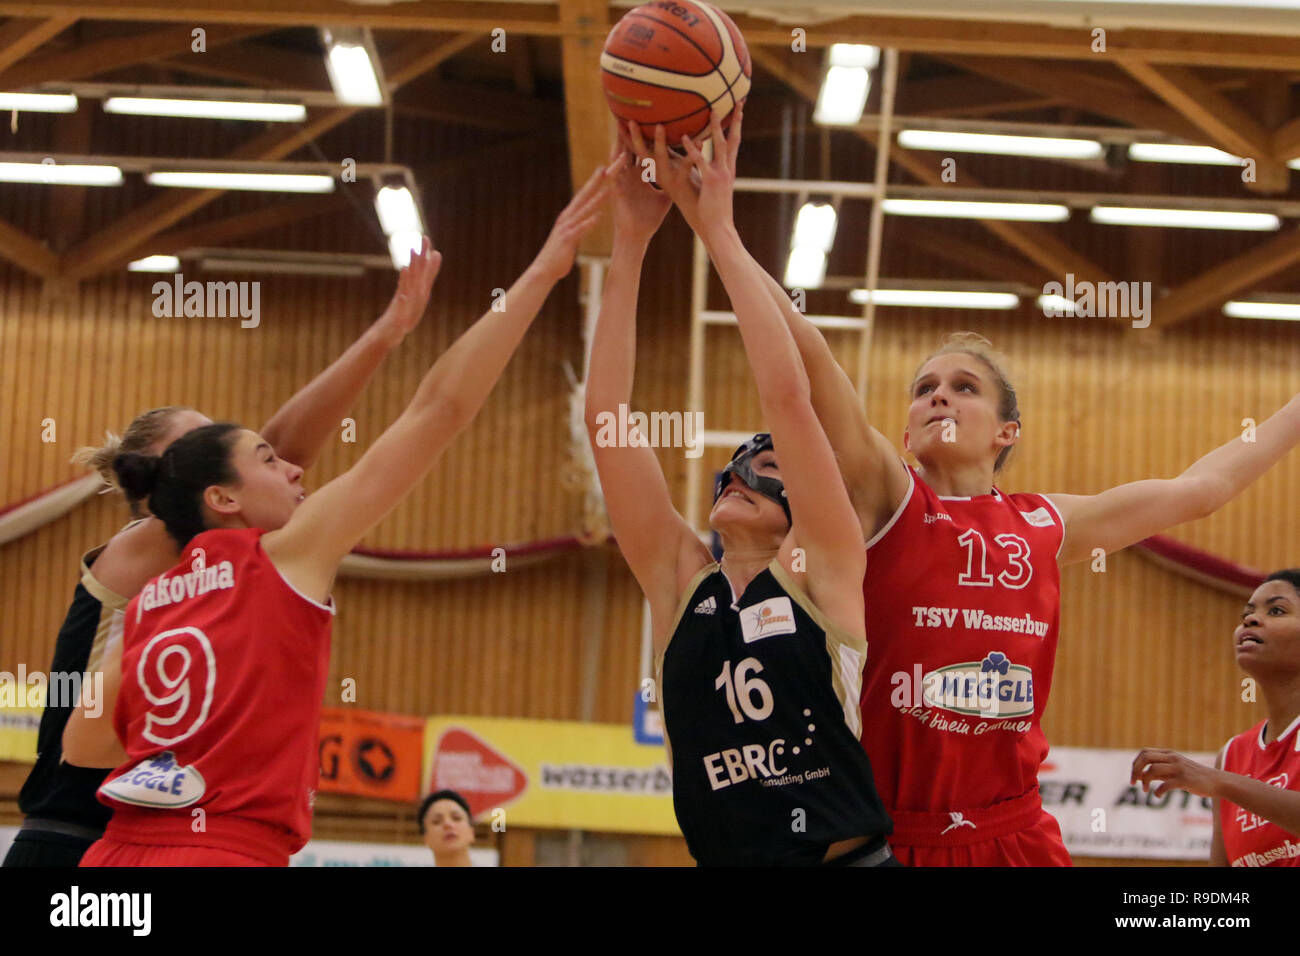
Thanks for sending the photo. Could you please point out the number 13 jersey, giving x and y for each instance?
(223, 676)
(962, 603)
(759, 698)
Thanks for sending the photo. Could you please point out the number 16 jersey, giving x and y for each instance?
(962, 603)
(759, 698)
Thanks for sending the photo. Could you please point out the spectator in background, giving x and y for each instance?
(447, 827)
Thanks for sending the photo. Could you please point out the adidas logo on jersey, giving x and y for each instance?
(707, 606)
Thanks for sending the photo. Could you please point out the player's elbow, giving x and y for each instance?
(1205, 495)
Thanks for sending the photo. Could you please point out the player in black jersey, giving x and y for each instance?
(759, 657)
(62, 816)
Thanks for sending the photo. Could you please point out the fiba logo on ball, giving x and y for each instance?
(676, 64)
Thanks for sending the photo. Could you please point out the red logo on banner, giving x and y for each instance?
(478, 772)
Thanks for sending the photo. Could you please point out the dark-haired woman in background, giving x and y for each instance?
(1255, 782)
(63, 817)
(217, 684)
(447, 827)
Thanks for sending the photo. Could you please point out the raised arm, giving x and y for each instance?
(312, 417)
(1127, 513)
(330, 522)
(825, 523)
(657, 544)
(89, 739)
(871, 467)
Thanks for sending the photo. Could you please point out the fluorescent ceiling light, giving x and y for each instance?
(1179, 153)
(352, 75)
(1056, 304)
(397, 211)
(847, 83)
(854, 55)
(1289, 311)
(923, 298)
(259, 182)
(806, 268)
(206, 109)
(843, 96)
(815, 226)
(39, 102)
(1019, 211)
(401, 245)
(155, 264)
(1185, 218)
(1039, 146)
(60, 175)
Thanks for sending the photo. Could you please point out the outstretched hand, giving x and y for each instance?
(1172, 770)
(575, 221)
(639, 207)
(411, 300)
(701, 188)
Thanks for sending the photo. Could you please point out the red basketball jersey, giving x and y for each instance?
(223, 674)
(962, 602)
(1250, 840)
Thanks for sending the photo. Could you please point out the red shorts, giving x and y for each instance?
(112, 853)
(1016, 832)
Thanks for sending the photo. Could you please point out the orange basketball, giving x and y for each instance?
(675, 62)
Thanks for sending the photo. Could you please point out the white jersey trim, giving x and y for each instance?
(1282, 736)
(898, 513)
(1059, 517)
(324, 607)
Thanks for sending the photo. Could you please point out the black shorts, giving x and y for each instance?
(42, 848)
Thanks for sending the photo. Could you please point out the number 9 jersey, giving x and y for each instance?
(223, 675)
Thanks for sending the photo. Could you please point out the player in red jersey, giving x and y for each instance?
(1255, 782)
(217, 684)
(62, 815)
(962, 592)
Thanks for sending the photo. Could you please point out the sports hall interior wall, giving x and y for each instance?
(1144, 656)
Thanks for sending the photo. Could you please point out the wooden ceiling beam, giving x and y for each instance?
(1112, 96)
(917, 34)
(26, 252)
(1216, 286)
(256, 64)
(22, 35)
(100, 56)
(99, 252)
(1220, 120)
(467, 105)
(590, 123)
(1034, 242)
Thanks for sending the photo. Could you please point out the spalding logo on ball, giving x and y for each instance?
(674, 62)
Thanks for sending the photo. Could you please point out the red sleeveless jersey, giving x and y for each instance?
(962, 603)
(1248, 839)
(223, 675)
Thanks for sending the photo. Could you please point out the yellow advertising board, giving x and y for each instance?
(552, 773)
(18, 726)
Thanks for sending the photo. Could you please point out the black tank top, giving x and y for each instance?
(56, 790)
(761, 718)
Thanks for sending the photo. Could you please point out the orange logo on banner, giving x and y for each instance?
(469, 765)
(369, 754)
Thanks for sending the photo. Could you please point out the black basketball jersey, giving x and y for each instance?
(56, 790)
(759, 696)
